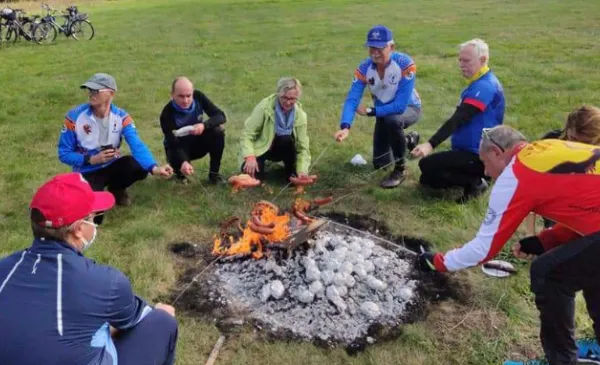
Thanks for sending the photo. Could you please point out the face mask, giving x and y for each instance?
(86, 243)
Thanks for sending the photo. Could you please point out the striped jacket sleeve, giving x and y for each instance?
(509, 205)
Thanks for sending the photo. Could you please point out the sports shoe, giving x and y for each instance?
(121, 197)
(213, 178)
(412, 140)
(588, 349)
(473, 191)
(394, 179)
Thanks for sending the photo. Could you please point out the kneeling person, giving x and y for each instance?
(90, 142)
(187, 136)
(277, 131)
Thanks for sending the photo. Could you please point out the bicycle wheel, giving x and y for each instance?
(82, 30)
(44, 33)
(9, 35)
(27, 31)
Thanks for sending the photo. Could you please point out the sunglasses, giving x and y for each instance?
(485, 132)
(93, 92)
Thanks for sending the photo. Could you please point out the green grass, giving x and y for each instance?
(544, 51)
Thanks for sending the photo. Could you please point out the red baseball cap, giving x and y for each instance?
(67, 198)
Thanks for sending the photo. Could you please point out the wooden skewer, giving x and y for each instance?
(215, 351)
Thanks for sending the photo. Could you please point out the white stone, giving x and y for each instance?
(332, 292)
(333, 264)
(355, 246)
(346, 268)
(370, 309)
(369, 267)
(277, 289)
(342, 290)
(375, 283)
(320, 247)
(366, 252)
(271, 266)
(360, 271)
(381, 262)
(306, 296)
(265, 292)
(308, 262)
(327, 276)
(406, 293)
(316, 287)
(350, 281)
(368, 243)
(340, 252)
(339, 279)
(313, 273)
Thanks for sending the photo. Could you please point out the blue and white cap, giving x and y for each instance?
(379, 37)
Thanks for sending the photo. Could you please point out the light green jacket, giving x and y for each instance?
(259, 132)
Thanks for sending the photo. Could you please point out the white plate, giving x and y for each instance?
(497, 273)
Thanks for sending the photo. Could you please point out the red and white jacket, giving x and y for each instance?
(559, 180)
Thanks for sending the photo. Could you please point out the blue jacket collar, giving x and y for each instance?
(51, 247)
(182, 110)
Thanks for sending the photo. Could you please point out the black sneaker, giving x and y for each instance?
(394, 179)
(213, 178)
(122, 199)
(473, 191)
(412, 140)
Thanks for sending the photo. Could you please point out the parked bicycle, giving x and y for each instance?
(75, 25)
(15, 25)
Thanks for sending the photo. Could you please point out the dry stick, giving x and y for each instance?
(215, 351)
(463, 320)
(195, 278)
(309, 170)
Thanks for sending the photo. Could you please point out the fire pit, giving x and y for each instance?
(335, 285)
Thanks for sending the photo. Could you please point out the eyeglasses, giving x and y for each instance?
(485, 132)
(93, 92)
(286, 98)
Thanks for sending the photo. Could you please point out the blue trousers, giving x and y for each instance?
(150, 342)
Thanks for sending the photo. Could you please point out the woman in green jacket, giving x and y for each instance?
(277, 131)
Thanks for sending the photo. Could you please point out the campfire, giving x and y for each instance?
(267, 228)
(334, 284)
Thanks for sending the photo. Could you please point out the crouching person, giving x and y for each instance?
(59, 307)
(187, 136)
(277, 131)
(90, 142)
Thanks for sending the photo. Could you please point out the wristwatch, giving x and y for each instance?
(370, 111)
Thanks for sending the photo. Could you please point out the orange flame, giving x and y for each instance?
(251, 242)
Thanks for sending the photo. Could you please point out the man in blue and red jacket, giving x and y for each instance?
(59, 307)
(481, 106)
(90, 142)
(390, 77)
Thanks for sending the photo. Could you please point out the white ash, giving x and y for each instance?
(333, 291)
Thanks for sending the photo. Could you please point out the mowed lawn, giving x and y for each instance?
(544, 51)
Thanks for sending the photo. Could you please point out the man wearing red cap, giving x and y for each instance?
(59, 307)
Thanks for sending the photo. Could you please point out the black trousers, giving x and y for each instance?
(447, 169)
(283, 149)
(211, 142)
(118, 175)
(555, 278)
(389, 141)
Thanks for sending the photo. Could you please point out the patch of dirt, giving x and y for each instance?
(201, 300)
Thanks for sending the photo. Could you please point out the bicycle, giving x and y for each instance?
(12, 29)
(75, 25)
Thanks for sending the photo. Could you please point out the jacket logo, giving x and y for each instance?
(490, 217)
(372, 81)
(87, 129)
(393, 80)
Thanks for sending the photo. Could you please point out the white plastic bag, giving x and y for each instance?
(358, 160)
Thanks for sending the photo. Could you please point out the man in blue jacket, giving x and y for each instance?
(390, 77)
(481, 106)
(58, 307)
(90, 142)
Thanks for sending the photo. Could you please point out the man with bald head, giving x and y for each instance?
(188, 136)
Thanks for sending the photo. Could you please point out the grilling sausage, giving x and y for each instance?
(323, 201)
(257, 222)
(259, 229)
